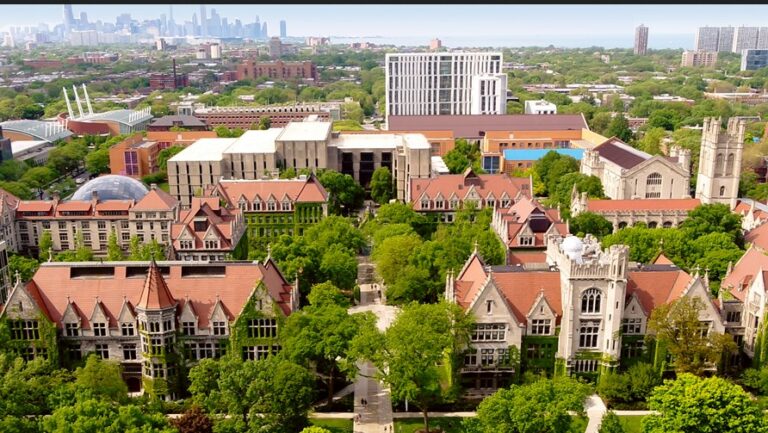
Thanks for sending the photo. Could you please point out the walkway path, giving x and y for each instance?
(376, 415)
(595, 409)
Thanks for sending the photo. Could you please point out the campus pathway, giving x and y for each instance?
(376, 415)
(595, 409)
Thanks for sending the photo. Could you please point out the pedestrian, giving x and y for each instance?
(362, 402)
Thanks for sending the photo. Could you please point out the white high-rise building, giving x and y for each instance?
(725, 39)
(707, 38)
(87, 38)
(423, 84)
(745, 38)
(762, 39)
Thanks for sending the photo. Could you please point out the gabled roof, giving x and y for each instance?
(656, 286)
(155, 295)
(53, 287)
(307, 190)
(222, 220)
(458, 185)
(156, 199)
(744, 272)
(620, 153)
(758, 236)
(652, 204)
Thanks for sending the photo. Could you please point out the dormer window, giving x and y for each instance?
(425, 203)
(72, 329)
(127, 329)
(286, 205)
(541, 326)
(439, 204)
(211, 244)
(505, 202)
(219, 328)
(99, 329)
(489, 306)
(454, 203)
(271, 206)
(526, 240)
(188, 328)
(256, 205)
(243, 206)
(490, 202)
(186, 245)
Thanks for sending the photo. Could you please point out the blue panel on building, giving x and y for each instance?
(536, 154)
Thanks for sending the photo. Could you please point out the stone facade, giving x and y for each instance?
(720, 161)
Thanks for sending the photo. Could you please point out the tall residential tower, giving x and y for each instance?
(641, 40)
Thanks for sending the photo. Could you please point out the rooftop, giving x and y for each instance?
(305, 131)
(379, 141)
(475, 126)
(127, 117)
(205, 149)
(620, 153)
(48, 131)
(184, 120)
(262, 141)
(536, 154)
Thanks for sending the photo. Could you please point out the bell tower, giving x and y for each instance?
(720, 161)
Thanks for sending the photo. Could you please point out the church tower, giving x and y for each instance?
(720, 161)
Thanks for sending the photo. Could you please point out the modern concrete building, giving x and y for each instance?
(641, 40)
(725, 39)
(706, 59)
(455, 83)
(299, 145)
(540, 106)
(707, 39)
(754, 59)
(745, 38)
(279, 115)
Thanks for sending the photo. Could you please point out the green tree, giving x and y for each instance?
(665, 118)
(677, 327)
(25, 266)
(97, 416)
(265, 122)
(416, 356)
(164, 155)
(619, 127)
(97, 162)
(539, 407)
(288, 173)
(102, 379)
(590, 223)
(463, 155)
(45, 245)
(114, 252)
(713, 218)
(611, 423)
(345, 195)
(382, 185)
(38, 177)
(651, 140)
(682, 402)
(12, 170)
(319, 334)
(315, 429)
(83, 253)
(66, 158)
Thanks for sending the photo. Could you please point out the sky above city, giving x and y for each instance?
(428, 20)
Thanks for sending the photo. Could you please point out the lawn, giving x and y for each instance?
(632, 423)
(410, 425)
(334, 425)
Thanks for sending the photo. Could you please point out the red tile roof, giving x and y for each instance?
(35, 206)
(156, 199)
(221, 220)
(155, 295)
(758, 236)
(52, 287)
(114, 206)
(521, 289)
(657, 287)
(474, 126)
(652, 204)
(307, 190)
(744, 271)
(73, 206)
(447, 185)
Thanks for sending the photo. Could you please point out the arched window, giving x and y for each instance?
(590, 301)
(652, 224)
(622, 225)
(667, 224)
(722, 191)
(653, 179)
(719, 164)
(729, 165)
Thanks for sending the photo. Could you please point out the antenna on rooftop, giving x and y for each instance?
(87, 100)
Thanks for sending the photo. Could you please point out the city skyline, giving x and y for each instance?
(595, 21)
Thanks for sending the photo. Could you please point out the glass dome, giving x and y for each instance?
(112, 187)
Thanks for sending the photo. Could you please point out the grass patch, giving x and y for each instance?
(334, 425)
(579, 424)
(632, 423)
(410, 425)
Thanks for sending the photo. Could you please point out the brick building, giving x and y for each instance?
(277, 70)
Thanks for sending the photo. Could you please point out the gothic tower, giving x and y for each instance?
(720, 161)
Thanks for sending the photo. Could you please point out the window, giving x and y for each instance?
(271, 206)
(262, 328)
(124, 225)
(167, 325)
(631, 326)
(502, 356)
(25, 330)
(585, 365)
(253, 353)
(633, 349)
(490, 332)
(454, 203)
(125, 237)
(490, 203)
(541, 326)
(102, 237)
(139, 226)
(188, 328)
(505, 202)
(211, 245)
(74, 352)
(126, 329)
(46, 225)
(129, 352)
(102, 351)
(257, 205)
(704, 328)
(729, 165)
(588, 334)
(653, 186)
(526, 240)
(185, 245)
(486, 357)
(154, 326)
(539, 351)
(286, 205)
(219, 328)
(73, 330)
(425, 204)
(102, 225)
(733, 316)
(62, 225)
(590, 301)
(722, 191)
(470, 357)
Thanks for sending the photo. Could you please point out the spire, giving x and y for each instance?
(50, 254)
(269, 252)
(730, 269)
(155, 295)
(476, 248)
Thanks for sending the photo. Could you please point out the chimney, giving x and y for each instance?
(95, 196)
(153, 186)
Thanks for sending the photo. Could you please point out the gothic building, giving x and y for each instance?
(155, 319)
(580, 312)
(720, 161)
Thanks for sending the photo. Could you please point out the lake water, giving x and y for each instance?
(684, 41)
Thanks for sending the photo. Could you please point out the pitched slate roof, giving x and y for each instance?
(647, 204)
(446, 185)
(620, 153)
(744, 271)
(155, 294)
(474, 126)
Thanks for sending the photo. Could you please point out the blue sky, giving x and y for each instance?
(430, 20)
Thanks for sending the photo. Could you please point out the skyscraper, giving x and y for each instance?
(257, 28)
(195, 26)
(707, 38)
(745, 38)
(725, 39)
(264, 33)
(283, 32)
(68, 18)
(641, 40)
(203, 22)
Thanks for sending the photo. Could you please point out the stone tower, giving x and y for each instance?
(720, 161)
(593, 286)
